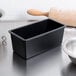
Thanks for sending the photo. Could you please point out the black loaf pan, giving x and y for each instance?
(36, 38)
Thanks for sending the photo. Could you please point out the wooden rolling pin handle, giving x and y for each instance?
(37, 12)
(67, 18)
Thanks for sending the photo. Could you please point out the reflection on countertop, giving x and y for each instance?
(3, 52)
(44, 64)
(70, 70)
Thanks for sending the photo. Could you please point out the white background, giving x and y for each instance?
(16, 9)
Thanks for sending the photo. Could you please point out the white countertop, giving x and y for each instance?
(39, 66)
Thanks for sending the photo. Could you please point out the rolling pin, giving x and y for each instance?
(68, 17)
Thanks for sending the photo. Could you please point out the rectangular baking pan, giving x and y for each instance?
(36, 38)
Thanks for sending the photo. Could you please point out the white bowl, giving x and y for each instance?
(69, 46)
